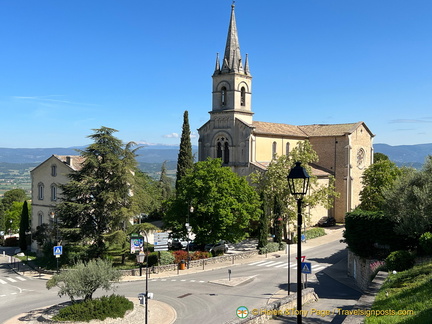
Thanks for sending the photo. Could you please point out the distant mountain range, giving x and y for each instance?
(413, 155)
(146, 154)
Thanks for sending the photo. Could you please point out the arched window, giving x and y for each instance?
(219, 150)
(222, 149)
(40, 218)
(223, 96)
(53, 192)
(274, 148)
(40, 191)
(243, 96)
(54, 170)
(226, 153)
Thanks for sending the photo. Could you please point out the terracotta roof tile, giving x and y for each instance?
(277, 129)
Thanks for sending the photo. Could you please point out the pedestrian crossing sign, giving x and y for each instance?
(306, 267)
(58, 250)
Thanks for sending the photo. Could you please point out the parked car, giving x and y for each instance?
(326, 221)
(193, 246)
(217, 247)
(176, 243)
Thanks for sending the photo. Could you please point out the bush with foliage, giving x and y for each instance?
(271, 247)
(425, 243)
(399, 260)
(366, 230)
(166, 257)
(179, 255)
(84, 279)
(114, 306)
(312, 233)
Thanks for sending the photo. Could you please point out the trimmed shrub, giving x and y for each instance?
(399, 260)
(371, 234)
(270, 247)
(114, 306)
(312, 233)
(425, 243)
(179, 255)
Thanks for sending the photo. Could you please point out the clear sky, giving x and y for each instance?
(67, 67)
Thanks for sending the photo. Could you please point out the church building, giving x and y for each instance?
(246, 145)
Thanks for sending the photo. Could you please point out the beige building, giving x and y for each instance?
(46, 180)
(245, 145)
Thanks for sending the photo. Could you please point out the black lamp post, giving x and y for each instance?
(146, 276)
(298, 181)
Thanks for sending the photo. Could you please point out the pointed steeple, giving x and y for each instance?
(217, 67)
(232, 57)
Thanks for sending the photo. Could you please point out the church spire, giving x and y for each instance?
(232, 57)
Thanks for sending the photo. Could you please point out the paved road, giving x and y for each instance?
(197, 300)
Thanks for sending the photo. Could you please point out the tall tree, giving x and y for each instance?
(165, 183)
(224, 204)
(98, 198)
(377, 178)
(12, 195)
(24, 227)
(185, 158)
(409, 201)
(273, 185)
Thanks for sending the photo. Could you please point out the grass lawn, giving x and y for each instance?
(408, 293)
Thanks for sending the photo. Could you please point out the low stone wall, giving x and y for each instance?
(283, 306)
(196, 263)
(360, 269)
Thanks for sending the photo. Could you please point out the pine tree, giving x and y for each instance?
(185, 157)
(98, 198)
(24, 227)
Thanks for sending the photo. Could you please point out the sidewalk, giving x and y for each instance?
(162, 313)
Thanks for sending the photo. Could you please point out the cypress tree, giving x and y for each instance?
(185, 157)
(24, 227)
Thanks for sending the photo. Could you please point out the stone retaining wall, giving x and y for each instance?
(360, 269)
(196, 263)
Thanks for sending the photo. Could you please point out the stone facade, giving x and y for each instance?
(46, 180)
(245, 145)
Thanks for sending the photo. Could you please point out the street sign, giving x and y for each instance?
(58, 250)
(306, 267)
(303, 257)
(161, 241)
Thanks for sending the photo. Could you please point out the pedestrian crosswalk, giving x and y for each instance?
(7, 280)
(284, 265)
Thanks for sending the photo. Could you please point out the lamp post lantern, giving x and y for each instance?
(298, 182)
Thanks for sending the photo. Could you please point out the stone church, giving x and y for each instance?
(246, 145)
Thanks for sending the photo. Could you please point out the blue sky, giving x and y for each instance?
(68, 67)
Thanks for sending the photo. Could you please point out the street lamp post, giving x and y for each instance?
(146, 279)
(298, 181)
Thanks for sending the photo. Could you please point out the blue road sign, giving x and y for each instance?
(306, 267)
(58, 250)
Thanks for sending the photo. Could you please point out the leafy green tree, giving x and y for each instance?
(13, 216)
(380, 157)
(24, 227)
(224, 204)
(185, 158)
(409, 202)
(84, 279)
(377, 178)
(98, 198)
(263, 226)
(165, 183)
(273, 186)
(12, 195)
(147, 196)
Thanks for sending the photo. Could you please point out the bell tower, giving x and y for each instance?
(232, 81)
